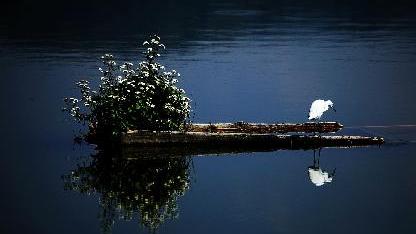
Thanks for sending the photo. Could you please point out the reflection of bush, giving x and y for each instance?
(149, 187)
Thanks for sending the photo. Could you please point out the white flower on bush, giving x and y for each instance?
(127, 96)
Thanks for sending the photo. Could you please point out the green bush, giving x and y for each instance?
(144, 97)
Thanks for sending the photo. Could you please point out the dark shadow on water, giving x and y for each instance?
(146, 188)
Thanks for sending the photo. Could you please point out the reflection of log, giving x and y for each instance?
(156, 144)
(242, 127)
(186, 144)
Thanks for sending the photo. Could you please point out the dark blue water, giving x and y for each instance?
(260, 62)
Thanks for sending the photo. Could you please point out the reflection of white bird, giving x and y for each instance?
(319, 177)
(318, 107)
(316, 175)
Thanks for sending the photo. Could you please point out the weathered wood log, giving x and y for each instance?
(169, 144)
(242, 127)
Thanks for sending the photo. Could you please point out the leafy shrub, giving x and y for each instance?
(144, 97)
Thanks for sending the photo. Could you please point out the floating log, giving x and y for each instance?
(223, 138)
(243, 127)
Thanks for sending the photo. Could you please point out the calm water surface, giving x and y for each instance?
(262, 62)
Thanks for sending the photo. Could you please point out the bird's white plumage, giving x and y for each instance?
(318, 107)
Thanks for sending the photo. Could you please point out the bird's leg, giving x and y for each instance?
(319, 155)
(314, 159)
(320, 131)
(314, 132)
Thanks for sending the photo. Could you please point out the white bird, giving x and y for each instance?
(318, 107)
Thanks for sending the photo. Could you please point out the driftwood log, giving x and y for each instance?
(243, 127)
(222, 138)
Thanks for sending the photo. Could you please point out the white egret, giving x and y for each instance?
(318, 107)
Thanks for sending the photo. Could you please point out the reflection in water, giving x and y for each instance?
(149, 188)
(318, 176)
